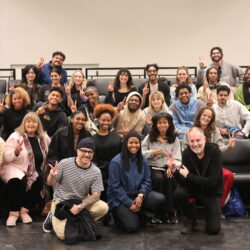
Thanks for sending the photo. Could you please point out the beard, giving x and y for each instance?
(199, 149)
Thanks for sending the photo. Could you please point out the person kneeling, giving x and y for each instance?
(129, 195)
(199, 177)
(77, 178)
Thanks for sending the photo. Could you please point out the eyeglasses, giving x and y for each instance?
(152, 71)
(90, 152)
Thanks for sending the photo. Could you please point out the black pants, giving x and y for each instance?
(211, 205)
(162, 184)
(18, 197)
(129, 221)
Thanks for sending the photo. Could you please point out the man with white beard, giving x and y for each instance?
(199, 178)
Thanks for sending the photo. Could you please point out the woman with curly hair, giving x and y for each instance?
(11, 115)
(157, 147)
(205, 119)
(120, 88)
(107, 142)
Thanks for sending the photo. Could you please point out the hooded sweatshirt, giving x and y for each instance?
(134, 120)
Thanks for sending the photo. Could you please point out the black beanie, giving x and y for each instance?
(87, 142)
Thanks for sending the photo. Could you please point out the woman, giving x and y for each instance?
(77, 85)
(206, 120)
(63, 143)
(182, 76)
(23, 167)
(55, 76)
(243, 91)
(120, 88)
(17, 103)
(107, 142)
(129, 187)
(29, 83)
(156, 147)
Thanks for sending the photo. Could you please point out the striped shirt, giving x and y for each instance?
(74, 182)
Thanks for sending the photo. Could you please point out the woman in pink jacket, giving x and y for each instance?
(23, 166)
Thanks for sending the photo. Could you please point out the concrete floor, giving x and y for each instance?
(235, 234)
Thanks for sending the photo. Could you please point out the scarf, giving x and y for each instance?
(32, 174)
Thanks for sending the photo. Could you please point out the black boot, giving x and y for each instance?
(189, 226)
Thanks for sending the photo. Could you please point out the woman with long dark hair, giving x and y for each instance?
(129, 187)
(120, 88)
(157, 147)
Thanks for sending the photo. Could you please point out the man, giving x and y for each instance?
(51, 113)
(231, 74)
(230, 114)
(207, 93)
(57, 61)
(153, 84)
(130, 116)
(200, 177)
(76, 178)
(184, 109)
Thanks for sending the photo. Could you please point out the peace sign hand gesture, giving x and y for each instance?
(170, 162)
(201, 62)
(73, 107)
(125, 128)
(121, 105)
(18, 148)
(231, 140)
(2, 106)
(41, 110)
(67, 89)
(111, 86)
(54, 169)
(40, 63)
(145, 89)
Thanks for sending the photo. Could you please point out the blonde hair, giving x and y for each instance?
(22, 93)
(71, 81)
(34, 117)
(188, 76)
(158, 94)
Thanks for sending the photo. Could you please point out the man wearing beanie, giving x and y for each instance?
(76, 178)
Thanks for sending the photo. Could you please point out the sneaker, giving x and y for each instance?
(155, 220)
(47, 224)
(172, 219)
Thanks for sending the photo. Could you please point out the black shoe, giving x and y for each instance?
(189, 227)
(47, 224)
(106, 220)
(172, 219)
(155, 220)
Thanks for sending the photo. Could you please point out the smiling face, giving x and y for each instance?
(17, 101)
(55, 78)
(184, 95)
(105, 121)
(84, 156)
(57, 61)
(133, 103)
(162, 125)
(123, 78)
(182, 76)
(31, 126)
(206, 118)
(30, 76)
(196, 142)
(212, 76)
(78, 78)
(133, 145)
(78, 121)
(152, 73)
(92, 95)
(54, 98)
(156, 103)
(216, 56)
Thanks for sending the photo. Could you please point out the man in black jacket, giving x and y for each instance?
(153, 84)
(200, 177)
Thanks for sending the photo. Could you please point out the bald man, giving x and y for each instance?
(199, 178)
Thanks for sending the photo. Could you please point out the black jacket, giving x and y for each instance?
(208, 179)
(78, 227)
(162, 86)
(62, 144)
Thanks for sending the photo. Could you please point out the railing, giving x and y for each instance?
(137, 72)
(4, 74)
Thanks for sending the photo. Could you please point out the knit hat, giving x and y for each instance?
(87, 142)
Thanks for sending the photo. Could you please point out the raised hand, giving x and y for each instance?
(82, 94)
(73, 107)
(111, 86)
(41, 110)
(67, 89)
(231, 140)
(18, 148)
(121, 105)
(2, 106)
(148, 119)
(125, 128)
(145, 89)
(201, 62)
(54, 169)
(40, 63)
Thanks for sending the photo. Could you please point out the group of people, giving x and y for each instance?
(139, 157)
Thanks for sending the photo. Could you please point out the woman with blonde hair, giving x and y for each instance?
(182, 76)
(16, 108)
(23, 167)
